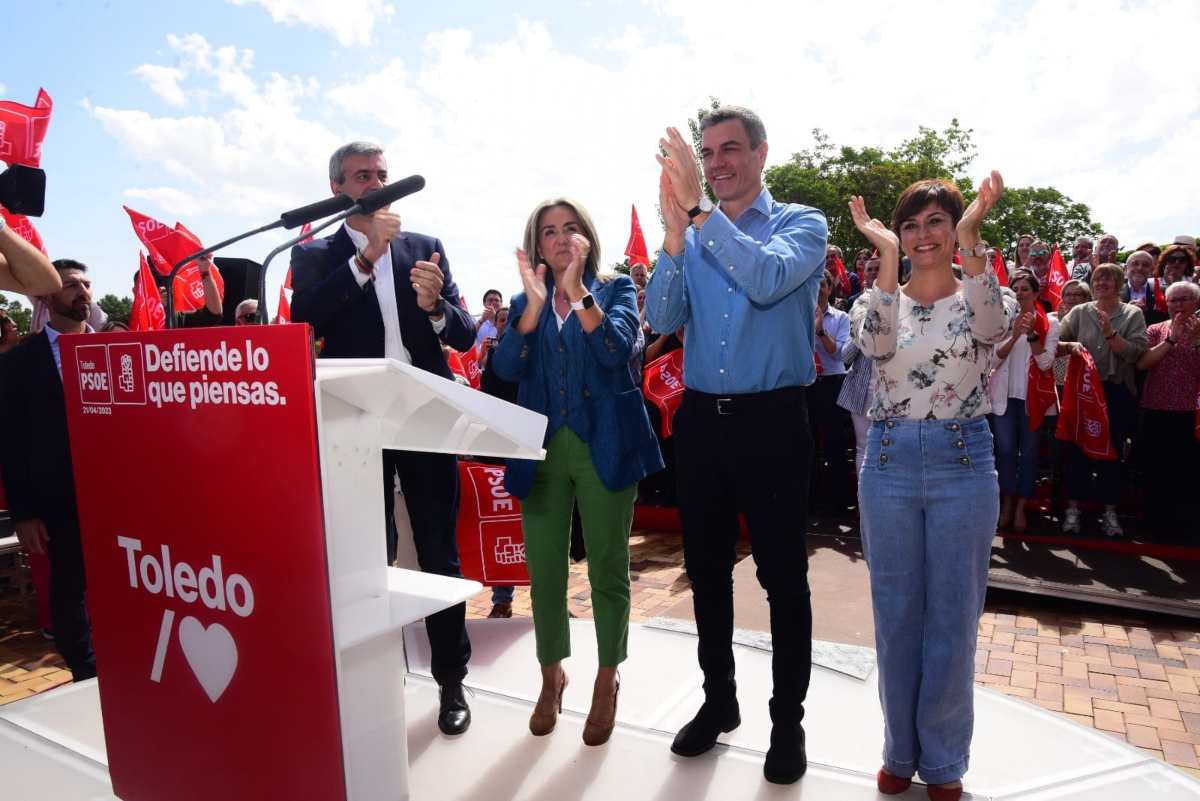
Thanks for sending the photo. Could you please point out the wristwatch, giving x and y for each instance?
(979, 251)
(703, 206)
(586, 302)
(3, 224)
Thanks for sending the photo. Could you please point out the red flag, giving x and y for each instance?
(1083, 418)
(147, 313)
(635, 249)
(1000, 267)
(22, 129)
(1160, 296)
(841, 276)
(283, 313)
(455, 363)
(1056, 277)
(1040, 394)
(23, 228)
(662, 385)
(470, 366)
(168, 246)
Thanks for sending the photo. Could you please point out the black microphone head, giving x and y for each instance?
(373, 202)
(315, 211)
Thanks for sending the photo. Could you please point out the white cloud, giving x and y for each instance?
(164, 82)
(498, 123)
(351, 21)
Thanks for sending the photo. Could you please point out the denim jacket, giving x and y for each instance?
(582, 381)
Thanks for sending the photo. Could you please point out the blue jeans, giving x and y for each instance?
(502, 594)
(1016, 450)
(929, 502)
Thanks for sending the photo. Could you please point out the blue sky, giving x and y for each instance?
(222, 114)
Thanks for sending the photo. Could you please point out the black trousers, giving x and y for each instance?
(830, 425)
(429, 482)
(1169, 455)
(748, 454)
(68, 588)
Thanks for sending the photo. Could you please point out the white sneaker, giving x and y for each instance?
(1071, 521)
(1110, 526)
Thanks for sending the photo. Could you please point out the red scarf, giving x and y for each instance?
(1040, 394)
(1083, 418)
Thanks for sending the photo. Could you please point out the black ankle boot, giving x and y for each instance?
(701, 733)
(786, 760)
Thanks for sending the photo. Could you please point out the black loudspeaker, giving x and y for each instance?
(241, 282)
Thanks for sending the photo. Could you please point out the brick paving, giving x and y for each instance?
(1135, 678)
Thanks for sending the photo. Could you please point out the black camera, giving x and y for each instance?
(23, 190)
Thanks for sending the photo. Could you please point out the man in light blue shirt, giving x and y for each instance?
(742, 279)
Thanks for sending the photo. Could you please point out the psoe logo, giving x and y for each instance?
(128, 373)
(111, 374)
(95, 385)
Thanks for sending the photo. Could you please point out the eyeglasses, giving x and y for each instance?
(1037, 254)
(249, 317)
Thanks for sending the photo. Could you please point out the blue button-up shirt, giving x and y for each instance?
(747, 291)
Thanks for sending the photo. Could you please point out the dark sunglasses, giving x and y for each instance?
(1037, 254)
(1177, 258)
(249, 317)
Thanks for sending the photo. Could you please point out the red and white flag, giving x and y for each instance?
(147, 313)
(23, 228)
(662, 385)
(469, 359)
(1056, 277)
(1041, 396)
(22, 129)
(1083, 418)
(840, 276)
(283, 314)
(169, 246)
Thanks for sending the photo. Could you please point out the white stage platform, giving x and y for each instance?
(52, 746)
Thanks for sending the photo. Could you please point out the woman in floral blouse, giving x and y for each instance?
(928, 492)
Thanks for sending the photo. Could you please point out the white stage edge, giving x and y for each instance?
(52, 745)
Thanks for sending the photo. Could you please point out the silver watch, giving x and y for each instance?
(703, 206)
(3, 224)
(979, 251)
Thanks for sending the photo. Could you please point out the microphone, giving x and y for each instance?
(367, 204)
(315, 211)
(373, 202)
(289, 219)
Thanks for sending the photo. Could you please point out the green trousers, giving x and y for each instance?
(565, 476)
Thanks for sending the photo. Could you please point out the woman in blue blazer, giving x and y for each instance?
(568, 343)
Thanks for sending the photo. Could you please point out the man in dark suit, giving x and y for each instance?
(36, 460)
(372, 291)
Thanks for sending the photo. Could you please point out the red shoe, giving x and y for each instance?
(889, 784)
(939, 793)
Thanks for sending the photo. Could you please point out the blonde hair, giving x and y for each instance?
(588, 229)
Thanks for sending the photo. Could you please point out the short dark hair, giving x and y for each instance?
(1028, 277)
(919, 195)
(756, 132)
(69, 264)
(495, 292)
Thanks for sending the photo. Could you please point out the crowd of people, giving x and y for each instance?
(947, 371)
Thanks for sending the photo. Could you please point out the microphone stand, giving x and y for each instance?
(262, 275)
(200, 254)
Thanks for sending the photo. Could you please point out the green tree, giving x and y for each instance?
(826, 176)
(116, 308)
(17, 312)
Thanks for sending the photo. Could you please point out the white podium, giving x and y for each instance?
(364, 405)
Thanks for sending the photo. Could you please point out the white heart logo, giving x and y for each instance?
(211, 653)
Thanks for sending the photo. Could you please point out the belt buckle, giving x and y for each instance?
(724, 406)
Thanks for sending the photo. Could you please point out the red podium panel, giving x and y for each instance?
(196, 467)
